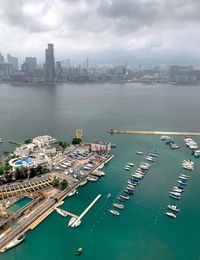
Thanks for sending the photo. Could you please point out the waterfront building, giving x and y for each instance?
(101, 147)
(59, 70)
(49, 65)
(43, 141)
(5, 71)
(14, 62)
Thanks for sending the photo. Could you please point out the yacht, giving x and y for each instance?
(176, 187)
(171, 215)
(183, 178)
(138, 176)
(15, 242)
(177, 190)
(184, 175)
(62, 212)
(114, 212)
(119, 206)
(174, 146)
(127, 168)
(71, 221)
(120, 198)
(184, 183)
(130, 164)
(164, 137)
(130, 188)
(150, 158)
(72, 193)
(128, 191)
(174, 208)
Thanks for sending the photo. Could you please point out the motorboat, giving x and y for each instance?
(164, 137)
(130, 188)
(183, 178)
(196, 153)
(180, 188)
(83, 183)
(15, 242)
(71, 221)
(184, 175)
(92, 178)
(128, 191)
(120, 198)
(126, 168)
(177, 190)
(174, 146)
(118, 205)
(138, 176)
(101, 173)
(79, 251)
(182, 183)
(130, 164)
(124, 197)
(72, 193)
(114, 212)
(62, 212)
(153, 153)
(174, 197)
(138, 152)
(174, 208)
(171, 215)
(178, 194)
(150, 158)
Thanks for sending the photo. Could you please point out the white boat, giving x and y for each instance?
(150, 158)
(114, 212)
(14, 242)
(196, 153)
(183, 178)
(171, 215)
(188, 167)
(138, 176)
(184, 175)
(138, 152)
(177, 190)
(174, 208)
(83, 183)
(164, 137)
(178, 194)
(61, 212)
(127, 168)
(102, 173)
(92, 178)
(130, 164)
(174, 146)
(72, 193)
(118, 205)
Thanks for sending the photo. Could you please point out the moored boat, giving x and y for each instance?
(174, 197)
(139, 152)
(174, 208)
(114, 212)
(124, 197)
(83, 183)
(92, 178)
(14, 242)
(79, 251)
(118, 205)
(72, 193)
(61, 212)
(171, 215)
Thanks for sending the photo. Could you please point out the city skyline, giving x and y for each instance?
(163, 31)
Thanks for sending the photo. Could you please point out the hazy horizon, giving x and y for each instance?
(106, 31)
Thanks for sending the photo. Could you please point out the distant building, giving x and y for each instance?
(79, 134)
(31, 64)
(1, 59)
(59, 70)
(13, 61)
(101, 147)
(49, 66)
(6, 71)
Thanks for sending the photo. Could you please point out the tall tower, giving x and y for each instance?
(50, 72)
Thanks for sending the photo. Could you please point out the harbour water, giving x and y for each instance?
(142, 231)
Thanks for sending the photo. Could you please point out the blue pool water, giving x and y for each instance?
(24, 160)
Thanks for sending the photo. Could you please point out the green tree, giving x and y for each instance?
(55, 182)
(28, 141)
(63, 184)
(1, 170)
(17, 174)
(76, 140)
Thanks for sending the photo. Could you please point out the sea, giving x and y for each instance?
(142, 231)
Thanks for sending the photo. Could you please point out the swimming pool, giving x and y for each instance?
(23, 161)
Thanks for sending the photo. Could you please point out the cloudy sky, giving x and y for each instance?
(148, 29)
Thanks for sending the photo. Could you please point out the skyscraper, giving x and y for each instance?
(1, 59)
(13, 61)
(49, 64)
(31, 64)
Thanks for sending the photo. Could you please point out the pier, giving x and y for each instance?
(141, 132)
(85, 211)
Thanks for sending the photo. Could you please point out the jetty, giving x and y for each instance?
(67, 213)
(78, 220)
(14, 142)
(142, 132)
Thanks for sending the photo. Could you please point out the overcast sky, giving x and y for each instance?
(150, 28)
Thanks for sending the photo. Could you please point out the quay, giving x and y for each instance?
(85, 211)
(14, 142)
(141, 132)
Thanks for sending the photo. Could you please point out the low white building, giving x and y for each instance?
(43, 141)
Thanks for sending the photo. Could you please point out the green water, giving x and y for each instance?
(19, 204)
(142, 231)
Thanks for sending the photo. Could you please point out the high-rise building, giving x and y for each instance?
(59, 70)
(31, 64)
(1, 59)
(13, 61)
(49, 66)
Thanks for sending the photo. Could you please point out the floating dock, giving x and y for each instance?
(141, 132)
(78, 220)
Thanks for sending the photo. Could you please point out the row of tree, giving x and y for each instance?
(61, 184)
